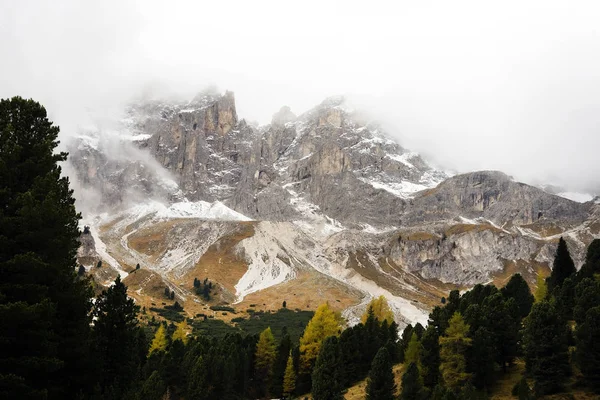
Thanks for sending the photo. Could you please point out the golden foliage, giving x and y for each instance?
(381, 310)
(181, 332)
(453, 347)
(159, 343)
(289, 378)
(323, 324)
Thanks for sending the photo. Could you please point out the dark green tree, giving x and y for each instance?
(380, 385)
(591, 265)
(522, 391)
(283, 351)
(327, 374)
(587, 295)
(412, 389)
(562, 267)
(588, 348)
(117, 337)
(517, 289)
(153, 388)
(430, 358)
(545, 342)
(44, 308)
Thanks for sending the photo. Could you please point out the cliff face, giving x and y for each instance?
(335, 195)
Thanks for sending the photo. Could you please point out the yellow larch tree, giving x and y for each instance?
(326, 322)
(159, 343)
(381, 310)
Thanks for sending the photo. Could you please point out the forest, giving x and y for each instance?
(58, 342)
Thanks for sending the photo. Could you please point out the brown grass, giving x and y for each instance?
(510, 268)
(307, 291)
(464, 228)
(545, 229)
(358, 391)
(220, 263)
(595, 227)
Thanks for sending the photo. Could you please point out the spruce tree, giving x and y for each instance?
(588, 348)
(430, 358)
(545, 342)
(517, 289)
(44, 308)
(380, 385)
(591, 266)
(411, 384)
(562, 267)
(280, 364)
(327, 374)
(117, 337)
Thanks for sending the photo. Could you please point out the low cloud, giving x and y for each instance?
(511, 86)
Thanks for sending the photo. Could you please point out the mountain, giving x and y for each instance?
(320, 206)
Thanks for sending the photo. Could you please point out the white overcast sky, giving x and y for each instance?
(508, 85)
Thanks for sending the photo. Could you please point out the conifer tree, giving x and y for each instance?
(587, 295)
(380, 385)
(562, 267)
(430, 358)
(181, 332)
(412, 388)
(324, 323)
(116, 333)
(44, 308)
(381, 310)
(413, 351)
(160, 342)
(517, 289)
(153, 388)
(283, 351)
(289, 378)
(591, 266)
(541, 291)
(265, 358)
(545, 341)
(327, 374)
(588, 348)
(453, 347)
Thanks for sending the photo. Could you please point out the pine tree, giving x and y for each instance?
(181, 332)
(587, 295)
(117, 337)
(588, 348)
(517, 289)
(324, 323)
(380, 385)
(265, 358)
(545, 341)
(289, 378)
(562, 268)
(522, 390)
(453, 347)
(44, 308)
(411, 384)
(591, 266)
(280, 364)
(381, 310)
(327, 374)
(153, 388)
(430, 358)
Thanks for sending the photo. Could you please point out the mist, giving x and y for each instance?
(511, 86)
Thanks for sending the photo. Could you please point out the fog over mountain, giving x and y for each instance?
(513, 87)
